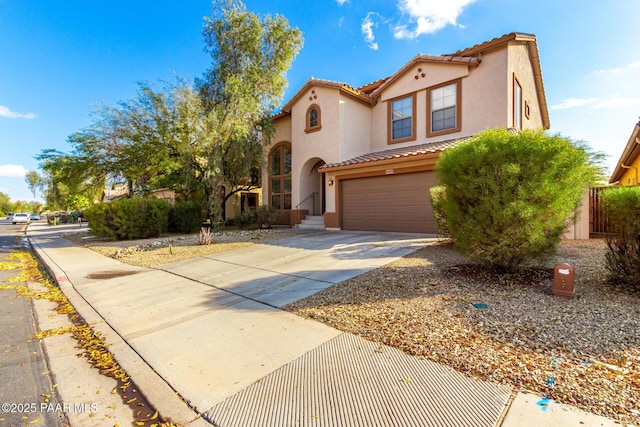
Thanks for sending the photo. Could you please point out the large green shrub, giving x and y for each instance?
(185, 217)
(436, 196)
(509, 195)
(129, 218)
(622, 209)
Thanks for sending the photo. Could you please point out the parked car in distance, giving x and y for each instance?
(34, 217)
(10, 215)
(22, 218)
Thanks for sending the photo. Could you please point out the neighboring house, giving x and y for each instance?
(117, 192)
(241, 201)
(364, 158)
(626, 171)
(165, 194)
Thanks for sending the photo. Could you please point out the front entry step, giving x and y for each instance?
(312, 222)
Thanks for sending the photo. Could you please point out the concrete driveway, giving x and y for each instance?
(211, 326)
(287, 270)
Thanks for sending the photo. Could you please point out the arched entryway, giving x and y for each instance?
(312, 193)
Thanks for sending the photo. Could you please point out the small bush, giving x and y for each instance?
(247, 218)
(129, 218)
(622, 209)
(185, 217)
(266, 216)
(61, 217)
(436, 196)
(508, 195)
(204, 238)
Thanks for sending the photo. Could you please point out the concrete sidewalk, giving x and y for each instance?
(206, 342)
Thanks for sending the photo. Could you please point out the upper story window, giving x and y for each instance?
(402, 124)
(313, 122)
(517, 103)
(444, 107)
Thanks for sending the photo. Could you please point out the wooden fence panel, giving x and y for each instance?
(597, 219)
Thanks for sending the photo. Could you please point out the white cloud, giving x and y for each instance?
(341, 2)
(12, 171)
(6, 112)
(616, 102)
(572, 103)
(618, 70)
(429, 16)
(367, 30)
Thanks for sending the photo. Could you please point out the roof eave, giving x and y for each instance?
(385, 162)
(343, 87)
(626, 158)
(534, 57)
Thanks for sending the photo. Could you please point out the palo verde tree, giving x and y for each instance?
(508, 196)
(250, 57)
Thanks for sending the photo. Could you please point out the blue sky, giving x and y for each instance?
(60, 59)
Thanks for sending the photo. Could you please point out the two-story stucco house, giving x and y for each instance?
(363, 158)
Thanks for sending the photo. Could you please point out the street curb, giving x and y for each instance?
(154, 388)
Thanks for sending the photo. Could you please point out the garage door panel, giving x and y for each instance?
(389, 203)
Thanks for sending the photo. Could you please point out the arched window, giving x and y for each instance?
(313, 119)
(280, 177)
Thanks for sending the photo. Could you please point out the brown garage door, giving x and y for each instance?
(389, 203)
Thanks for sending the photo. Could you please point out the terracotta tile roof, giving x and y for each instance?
(345, 88)
(370, 87)
(471, 60)
(474, 50)
(397, 153)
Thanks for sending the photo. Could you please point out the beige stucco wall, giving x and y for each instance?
(520, 65)
(309, 148)
(484, 94)
(579, 228)
(485, 90)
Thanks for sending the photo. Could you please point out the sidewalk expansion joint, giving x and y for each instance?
(236, 293)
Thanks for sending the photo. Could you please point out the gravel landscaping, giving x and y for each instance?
(505, 329)
(508, 329)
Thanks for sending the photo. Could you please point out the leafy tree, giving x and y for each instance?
(66, 175)
(198, 140)
(250, 58)
(5, 203)
(35, 182)
(77, 203)
(508, 196)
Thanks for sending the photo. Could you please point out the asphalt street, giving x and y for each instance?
(26, 388)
